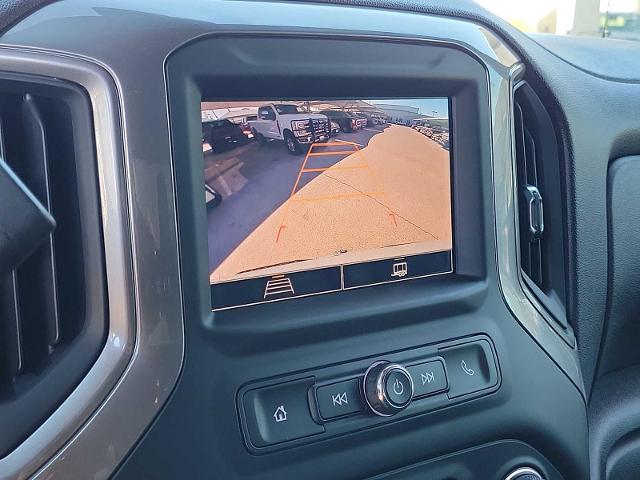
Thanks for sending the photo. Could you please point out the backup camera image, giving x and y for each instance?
(314, 196)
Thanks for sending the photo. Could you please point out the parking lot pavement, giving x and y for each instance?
(254, 180)
(393, 195)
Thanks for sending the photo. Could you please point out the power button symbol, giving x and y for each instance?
(398, 387)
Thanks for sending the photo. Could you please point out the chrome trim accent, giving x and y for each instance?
(364, 389)
(380, 391)
(523, 471)
(77, 440)
(524, 308)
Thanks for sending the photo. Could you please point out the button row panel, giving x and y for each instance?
(337, 400)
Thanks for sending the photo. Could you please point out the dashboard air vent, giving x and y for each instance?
(52, 305)
(540, 204)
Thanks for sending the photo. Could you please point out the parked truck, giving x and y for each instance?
(291, 124)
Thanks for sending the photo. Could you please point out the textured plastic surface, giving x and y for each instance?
(614, 423)
(492, 461)
(615, 405)
(622, 329)
(12, 11)
(609, 58)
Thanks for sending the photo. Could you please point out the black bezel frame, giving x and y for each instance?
(198, 80)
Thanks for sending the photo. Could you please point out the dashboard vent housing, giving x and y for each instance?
(540, 203)
(53, 304)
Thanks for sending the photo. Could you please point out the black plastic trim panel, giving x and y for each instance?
(355, 369)
(232, 348)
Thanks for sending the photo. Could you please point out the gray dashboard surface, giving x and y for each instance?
(12, 11)
(569, 91)
(616, 60)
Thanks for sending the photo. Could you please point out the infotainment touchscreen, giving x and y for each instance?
(309, 196)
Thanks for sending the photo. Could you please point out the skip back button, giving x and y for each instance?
(338, 399)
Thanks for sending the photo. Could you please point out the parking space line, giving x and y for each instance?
(362, 164)
(351, 143)
(224, 185)
(341, 152)
(334, 167)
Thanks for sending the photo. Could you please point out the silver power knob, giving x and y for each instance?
(388, 388)
(524, 473)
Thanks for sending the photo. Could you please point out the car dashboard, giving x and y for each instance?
(247, 285)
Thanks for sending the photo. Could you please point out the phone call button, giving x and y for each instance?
(471, 367)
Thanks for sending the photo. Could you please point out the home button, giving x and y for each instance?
(279, 413)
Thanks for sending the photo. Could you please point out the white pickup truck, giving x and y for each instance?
(289, 123)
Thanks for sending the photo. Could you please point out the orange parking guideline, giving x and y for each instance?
(303, 169)
(337, 197)
(324, 169)
(304, 164)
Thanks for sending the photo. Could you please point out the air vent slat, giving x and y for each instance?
(519, 138)
(42, 265)
(541, 223)
(535, 262)
(530, 156)
(11, 329)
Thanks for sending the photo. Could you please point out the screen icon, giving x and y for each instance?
(398, 387)
(400, 269)
(340, 399)
(278, 285)
(280, 414)
(427, 377)
(467, 370)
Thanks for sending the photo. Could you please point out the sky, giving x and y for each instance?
(426, 105)
(525, 14)
(524, 9)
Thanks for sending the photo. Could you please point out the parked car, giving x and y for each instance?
(243, 123)
(222, 132)
(291, 124)
(361, 119)
(335, 128)
(345, 121)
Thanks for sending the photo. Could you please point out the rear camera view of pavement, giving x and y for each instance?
(296, 186)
